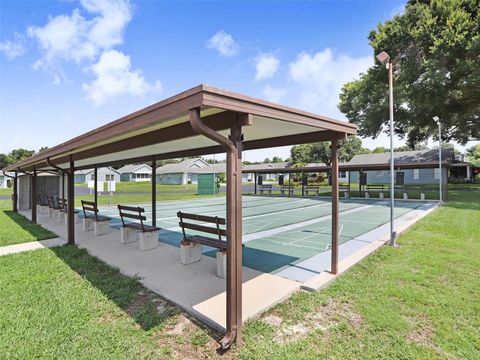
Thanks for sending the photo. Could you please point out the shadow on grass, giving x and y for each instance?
(468, 200)
(37, 231)
(145, 307)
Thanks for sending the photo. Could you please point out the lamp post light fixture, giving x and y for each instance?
(384, 58)
(437, 120)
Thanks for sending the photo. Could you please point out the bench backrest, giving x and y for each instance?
(287, 186)
(266, 186)
(132, 212)
(316, 187)
(202, 228)
(89, 206)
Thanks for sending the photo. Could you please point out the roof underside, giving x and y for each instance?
(163, 130)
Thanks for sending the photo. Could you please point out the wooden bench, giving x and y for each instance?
(128, 232)
(312, 188)
(92, 220)
(379, 187)
(191, 245)
(264, 188)
(289, 188)
(53, 207)
(345, 189)
(63, 205)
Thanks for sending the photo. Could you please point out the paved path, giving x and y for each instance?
(34, 245)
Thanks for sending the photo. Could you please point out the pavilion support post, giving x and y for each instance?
(15, 193)
(154, 192)
(335, 200)
(255, 180)
(63, 184)
(34, 196)
(71, 204)
(233, 148)
(95, 185)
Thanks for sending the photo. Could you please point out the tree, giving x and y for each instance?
(435, 47)
(306, 153)
(14, 156)
(379, 150)
(410, 148)
(43, 148)
(474, 155)
(267, 161)
(277, 159)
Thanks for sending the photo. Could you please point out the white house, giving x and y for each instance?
(137, 172)
(185, 171)
(5, 180)
(103, 173)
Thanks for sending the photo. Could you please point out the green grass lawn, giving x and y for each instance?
(146, 186)
(418, 301)
(15, 228)
(6, 192)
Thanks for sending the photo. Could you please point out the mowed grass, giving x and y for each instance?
(15, 228)
(418, 301)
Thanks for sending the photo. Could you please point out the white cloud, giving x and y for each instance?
(115, 78)
(319, 78)
(77, 38)
(13, 48)
(266, 65)
(223, 43)
(274, 94)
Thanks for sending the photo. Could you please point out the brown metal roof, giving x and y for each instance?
(163, 129)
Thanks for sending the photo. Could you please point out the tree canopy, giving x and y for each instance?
(474, 155)
(315, 152)
(435, 49)
(14, 156)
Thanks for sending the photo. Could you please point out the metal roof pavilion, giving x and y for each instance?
(202, 120)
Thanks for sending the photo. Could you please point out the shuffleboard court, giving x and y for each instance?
(278, 232)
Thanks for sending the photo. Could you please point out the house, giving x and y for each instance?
(137, 172)
(103, 173)
(418, 166)
(185, 171)
(266, 177)
(5, 180)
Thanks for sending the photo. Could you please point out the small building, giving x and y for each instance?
(103, 173)
(249, 176)
(135, 172)
(5, 180)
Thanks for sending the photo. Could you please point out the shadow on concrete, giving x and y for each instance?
(146, 308)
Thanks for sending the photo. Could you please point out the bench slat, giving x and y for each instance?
(212, 219)
(133, 216)
(215, 243)
(202, 228)
(146, 228)
(131, 208)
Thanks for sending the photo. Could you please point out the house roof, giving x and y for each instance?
(132, 168)
(88, 171)
(403, 157)
(163, 130)
(179, 167)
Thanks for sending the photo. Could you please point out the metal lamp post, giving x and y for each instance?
(384, 58)
(437, 120)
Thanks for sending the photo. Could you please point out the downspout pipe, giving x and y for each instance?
(229, 146)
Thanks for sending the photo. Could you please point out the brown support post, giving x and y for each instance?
(71, 204)
(255, 180)
(233, 148)
(34, 196)
(15, 193)
(154, 192)
(335, 200)
(63, 184)
(95, 185)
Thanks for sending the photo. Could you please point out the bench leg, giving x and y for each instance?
(75, 218)
(380, 196)
(149, 240)
(44, 209)
(87, 224)
(128, 235)
(405, 196)
(346, 195)
(60, 216)
(367, 195)
(222, 264)
(101, 227)
(50, 213)
(422, 196)
(190, 252)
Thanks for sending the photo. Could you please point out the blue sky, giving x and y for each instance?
(67, 67)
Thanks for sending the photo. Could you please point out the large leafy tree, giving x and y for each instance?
(14, 156)
(307, 153)
(435, 49)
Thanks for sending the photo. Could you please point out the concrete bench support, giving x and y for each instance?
(41, 209)
(405, 196)
(380, 195)
(422, 196)
(149, 240)
(222, 264)
(128, 235)
(50, 213)
(87, 224)
(367, 195)
(101, 227)
(190, 252)
(55, 213)
(65, 218)
(346, 195)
